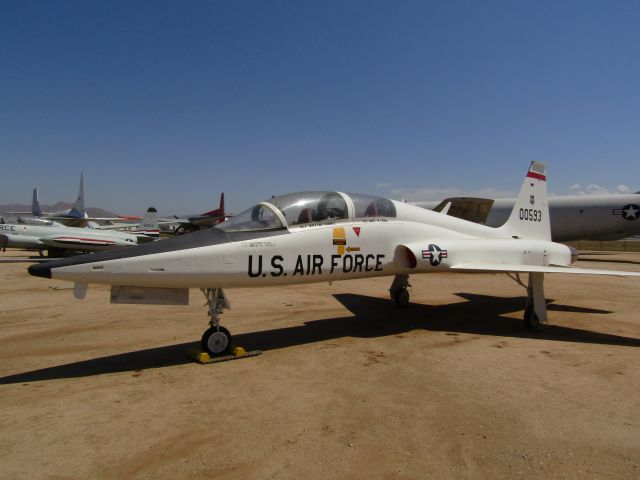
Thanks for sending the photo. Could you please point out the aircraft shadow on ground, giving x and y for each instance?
(371, 317)
(123, 362)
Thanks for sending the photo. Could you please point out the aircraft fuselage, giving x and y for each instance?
(45, 237)
(335, 250)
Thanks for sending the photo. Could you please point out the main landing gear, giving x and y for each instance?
(399, 290)
(535, 312)
(216, 340)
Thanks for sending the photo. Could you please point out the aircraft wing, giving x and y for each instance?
(123, 218)
(95, 219)
(113, 226)
(503, 267)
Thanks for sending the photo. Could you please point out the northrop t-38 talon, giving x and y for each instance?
(325, 236)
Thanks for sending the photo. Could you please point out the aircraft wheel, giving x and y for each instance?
(216, 341)
(402, 297)
(531, 320)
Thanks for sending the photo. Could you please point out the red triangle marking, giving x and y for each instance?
(357, 230)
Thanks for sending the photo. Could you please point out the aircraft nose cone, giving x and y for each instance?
(40, 270)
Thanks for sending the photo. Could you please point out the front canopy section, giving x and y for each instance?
(303, 208)
(310, 207)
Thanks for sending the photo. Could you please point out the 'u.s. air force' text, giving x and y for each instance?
(315, 264)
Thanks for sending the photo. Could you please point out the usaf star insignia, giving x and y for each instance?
(434, 254)
(628, 212)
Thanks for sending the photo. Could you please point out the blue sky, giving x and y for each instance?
(168, 103)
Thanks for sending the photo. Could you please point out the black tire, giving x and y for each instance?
(402, 297)
(216, 341)
(531, 320)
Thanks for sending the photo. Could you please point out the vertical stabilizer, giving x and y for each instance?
(530, 215)
(36, 211)
(78, 207)
(149, 225)
(218, 212)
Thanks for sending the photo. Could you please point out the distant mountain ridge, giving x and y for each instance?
(91, 211)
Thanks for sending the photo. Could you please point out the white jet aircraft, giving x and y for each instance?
(147, 230)
(326, 236)
(59, 239)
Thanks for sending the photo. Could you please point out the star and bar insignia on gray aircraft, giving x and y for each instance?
(628, 212)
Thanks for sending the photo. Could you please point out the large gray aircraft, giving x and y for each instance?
(574, 217)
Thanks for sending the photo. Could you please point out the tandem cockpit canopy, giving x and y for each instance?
(308, 207)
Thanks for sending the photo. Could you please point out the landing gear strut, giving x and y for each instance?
(399, 290)
(216, 340)
(535, 313)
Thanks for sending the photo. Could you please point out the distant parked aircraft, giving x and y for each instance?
(193, 223)
(59, 239)
(147, 230)
(76, 216)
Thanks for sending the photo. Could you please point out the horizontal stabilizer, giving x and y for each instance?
(503, 267)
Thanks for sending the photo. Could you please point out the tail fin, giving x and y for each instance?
(218, 212)
(79, 205)
(36, 211)
(530, 215)
(149, 225)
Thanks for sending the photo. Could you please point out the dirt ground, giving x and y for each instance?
(348, 385)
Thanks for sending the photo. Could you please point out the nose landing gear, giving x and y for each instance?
(216, 340)
(399, 290)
